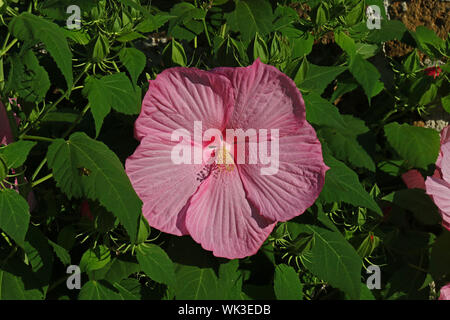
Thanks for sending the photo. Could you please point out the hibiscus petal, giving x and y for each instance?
(163, 186)
(413, 179)
(265, 99)
(445, 163)
(298, 182)
(439, 190)
(445, 292)
(221, 219)
(180, 96)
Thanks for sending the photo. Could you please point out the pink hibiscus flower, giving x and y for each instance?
(438, 185)
(445, 292)
(228, 206)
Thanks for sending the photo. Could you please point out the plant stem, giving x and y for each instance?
(77, 121)
(206, 32)
(37, 138)
(35, 183)
(38, 169)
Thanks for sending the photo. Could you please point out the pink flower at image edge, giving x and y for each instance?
(229, 212)
(438, 185)
(445, 292)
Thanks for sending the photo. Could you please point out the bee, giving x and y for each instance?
(84, 171)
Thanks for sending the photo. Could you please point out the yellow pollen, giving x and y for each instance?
(224, 160)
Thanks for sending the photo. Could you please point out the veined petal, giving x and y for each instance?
(221, 219)
(445, 163)
(265, 98)
(163, 186)
(297, 183)
(439, 190)
(179, 97)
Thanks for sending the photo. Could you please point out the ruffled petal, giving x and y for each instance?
(179, 97)
(163, 186)
(287, 191)
(445, 163)
(265, 99)
(221, 219)
(439, 190)
(413, 179)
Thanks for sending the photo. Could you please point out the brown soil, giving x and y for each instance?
(432, 14)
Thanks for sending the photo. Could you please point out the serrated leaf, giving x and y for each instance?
(349, 144)
(287, 284)
(68, 159)
(14, 215)
(116, 270)
(230, 280)
(155, 262)
(134, 60)
(185, 25)
(28, 78)
(32, 29)
(251, 17)
(342, 184)
(152, 23)
(111, 91)
(62, 254)
(389, 30)
(15, 154)
(318, 77)
(419, 146)
(366, 74)
(194, 283)
(333, 259)
(98, 290)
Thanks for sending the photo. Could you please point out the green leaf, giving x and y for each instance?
(260, 49)
(412, 62)
(345, 42)
(287, 284)
(320, 112)
(349, 144)
(230, 280)
(111, 91)
(356, 13)
(428, 41)
(15, 154)
(128, 36)
(194, 283)
(318, 77)
(446, 103)
(302, 45)
(81, 164)
(389, 30)
(185, 24)
(333, 259)
(440, 256)
(116, 270)
(152, 23)
(17, 282)
(418, 202)
(251, 17)
(134, 60)
(178, 54)
(419, 146)
(98, 290)
(28, 78)
(366, 74)
(95, 258)
(62, 254)
(342, 184)
(33, 29)
(156, 263)
(101, 49)
(14, 215)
